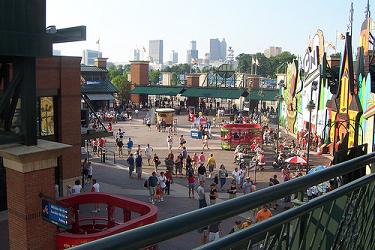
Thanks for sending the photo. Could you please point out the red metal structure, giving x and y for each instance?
(85, 229)
(236, 134)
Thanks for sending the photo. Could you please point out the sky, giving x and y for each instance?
(249, 26)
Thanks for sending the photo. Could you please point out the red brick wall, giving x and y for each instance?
(24, 209)
(139, 77)
(64, 74)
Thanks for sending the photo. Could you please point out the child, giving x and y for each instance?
(216, 179)
(191, 184)
(232, 189)
(158, 193)
(213, 194)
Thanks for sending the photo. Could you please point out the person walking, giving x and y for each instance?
(201, 158)
(214, 231)
(232, 191)
(205, 142)
(152, 183)
(162, 183)
(148, 123)
(130, 145)
(236, 174)
(169, 142)
(202, 173)
(182, 141)
(120, 145)
(263, 214)
(148, 153)
(138, 166)
(201, 195)
(195, 161)
(191, 184)
(169, 181)
(130, 162)
(247, 186)
(156, 162)
(213, 194)
(223, 174)
(211, 163)
(95, 188)
(77, 188)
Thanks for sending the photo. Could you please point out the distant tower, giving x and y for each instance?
(230, 56)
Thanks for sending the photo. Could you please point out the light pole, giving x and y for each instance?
(279, 99)
(310, 107)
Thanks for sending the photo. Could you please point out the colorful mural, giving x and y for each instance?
(344, 117)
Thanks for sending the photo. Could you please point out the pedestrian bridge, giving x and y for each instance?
(340, 219)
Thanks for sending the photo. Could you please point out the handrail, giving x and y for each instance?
(235, 239)
(160, 231)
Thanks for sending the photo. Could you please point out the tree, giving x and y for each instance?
(174, 80)
(123, 86)
(244, 63)
(154, 76)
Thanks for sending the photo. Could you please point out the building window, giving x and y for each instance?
(47, 121)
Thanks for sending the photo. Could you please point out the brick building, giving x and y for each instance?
(58, 119)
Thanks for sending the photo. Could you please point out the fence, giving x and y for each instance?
(340, 219)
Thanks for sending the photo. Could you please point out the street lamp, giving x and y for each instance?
(310, 107)
(280, 99)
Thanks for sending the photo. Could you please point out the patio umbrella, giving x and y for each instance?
(317, 169)
(296, 160)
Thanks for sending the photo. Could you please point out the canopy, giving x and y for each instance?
(225, 93)
(157, 90)
(263, 94)
(296, 160)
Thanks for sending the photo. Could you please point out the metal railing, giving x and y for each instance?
(341, 218)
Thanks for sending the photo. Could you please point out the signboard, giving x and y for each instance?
(196, 134)
(55, 214)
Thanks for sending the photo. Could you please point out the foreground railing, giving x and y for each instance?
(341, 219)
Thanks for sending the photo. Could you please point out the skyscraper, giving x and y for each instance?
(223, 50)
(88, 56)
(218, 50)
(174, 57)
(192, 53)
(272, 51)
(156, 51)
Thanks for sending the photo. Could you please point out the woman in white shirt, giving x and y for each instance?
(162, 181)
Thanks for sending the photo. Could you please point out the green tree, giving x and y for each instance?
(174, 80)
(244, 63)
(153, 76)
(123, 86)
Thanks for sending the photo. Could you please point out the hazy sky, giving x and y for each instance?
(248, 26)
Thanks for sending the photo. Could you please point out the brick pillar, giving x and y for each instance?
(139, 77)
(192, 80)
(30, 172)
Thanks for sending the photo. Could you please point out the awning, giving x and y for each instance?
(263, 94)
(157, 90)
(100, 97)
(225, 93)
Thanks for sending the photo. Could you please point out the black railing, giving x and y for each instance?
(166, 229)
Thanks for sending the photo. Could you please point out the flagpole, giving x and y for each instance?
(336, 43)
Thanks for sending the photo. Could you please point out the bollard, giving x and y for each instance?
(103, 155)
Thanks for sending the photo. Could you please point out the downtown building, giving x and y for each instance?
(155, 50)
(88, 56)
(272, 51)
(218, 50)
(192, 53)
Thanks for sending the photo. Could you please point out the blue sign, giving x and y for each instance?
(196, 134)
(55, 214)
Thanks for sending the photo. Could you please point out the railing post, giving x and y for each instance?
(114, 157)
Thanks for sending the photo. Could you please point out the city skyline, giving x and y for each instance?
(121, 32)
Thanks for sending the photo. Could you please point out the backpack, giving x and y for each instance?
(145, 184)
